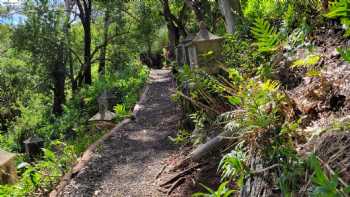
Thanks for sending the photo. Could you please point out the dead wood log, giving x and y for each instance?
(208, 147)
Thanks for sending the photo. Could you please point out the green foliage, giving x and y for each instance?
(268, 38)
(310, 60)
(275, 10)
(340, 9)
(263, 8)
(254, 98)
(44, 174)
(298, 35)
(222, 191)
(121, 111)
(345, 54)
(232, 167)
(324, 186)
(182, 137)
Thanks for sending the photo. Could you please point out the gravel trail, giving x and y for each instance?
(127, 162)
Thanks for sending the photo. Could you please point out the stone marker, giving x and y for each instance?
(33, 146)
(8, 173)
(201, 50)
(182, 56)
(103, 113)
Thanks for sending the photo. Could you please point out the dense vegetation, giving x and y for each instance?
(61, 56)
(46, 91)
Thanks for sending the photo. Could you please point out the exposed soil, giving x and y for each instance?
(127, 163)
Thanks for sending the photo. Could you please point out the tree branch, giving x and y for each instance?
(105, 43)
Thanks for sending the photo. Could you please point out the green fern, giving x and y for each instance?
(232, 167)
(268, 38)
(341, 9)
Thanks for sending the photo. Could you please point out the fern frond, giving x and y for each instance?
(341, 9)
(268, 38)
(338, 9)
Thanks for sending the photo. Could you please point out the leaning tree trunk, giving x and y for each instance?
(231, 10)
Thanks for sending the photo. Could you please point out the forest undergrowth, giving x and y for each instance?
(279, 102)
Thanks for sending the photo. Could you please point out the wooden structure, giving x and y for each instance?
(8, 174)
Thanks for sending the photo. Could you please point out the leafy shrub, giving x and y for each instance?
(232, 167)
(268, 38)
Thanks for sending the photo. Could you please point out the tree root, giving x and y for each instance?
(179, 175)
(176, 184)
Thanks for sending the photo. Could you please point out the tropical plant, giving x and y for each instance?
(232, 167)
(268, 38)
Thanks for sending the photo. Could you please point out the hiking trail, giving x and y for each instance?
(127, 162)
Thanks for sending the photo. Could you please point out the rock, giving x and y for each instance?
(8, 174)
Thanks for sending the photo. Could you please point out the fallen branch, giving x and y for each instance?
(176, 184)
(197, 103)
(208, 147)
(162, 190)
(160, 172)
(181, 174)
(255, 172)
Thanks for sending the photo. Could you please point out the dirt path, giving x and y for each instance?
(126, 163)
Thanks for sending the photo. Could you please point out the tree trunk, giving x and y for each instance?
(103, 51)
(85, 7)
(68, 5)
(173, 32)
(59, 76)
(231, 10)
(87, 52)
